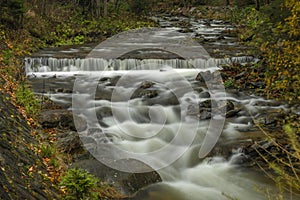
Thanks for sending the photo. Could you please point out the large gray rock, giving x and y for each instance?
(62, 119)
(70, 143)
(128, 183)
(206, 109)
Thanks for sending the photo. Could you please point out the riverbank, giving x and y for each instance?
(28, 152)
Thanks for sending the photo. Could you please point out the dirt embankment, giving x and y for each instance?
(22, 172)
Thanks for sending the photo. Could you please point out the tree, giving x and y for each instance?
(282, 55)
(139, 6)
(104, 8)
(11, 12)
(257, 5)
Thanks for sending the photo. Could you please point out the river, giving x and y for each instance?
(139, 93)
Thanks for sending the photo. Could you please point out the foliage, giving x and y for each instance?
(229, 83)
(26, 98)
(282, 56)
(79, 184)
(47, 151)
(275, 31)
(139, 6)
(11, 12)
(85, 30)
(284, 160)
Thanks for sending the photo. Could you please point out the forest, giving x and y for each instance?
(270, 27)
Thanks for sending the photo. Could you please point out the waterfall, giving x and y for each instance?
(50, 64)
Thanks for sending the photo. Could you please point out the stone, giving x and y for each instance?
(70, 143)
(270, 117)
(62, 119)
(204, 110)
(145, 90)
(204, 95)
(125, 181)
(208, 77)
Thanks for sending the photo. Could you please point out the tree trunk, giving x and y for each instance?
(43, 7)
(105, 8)
(257, 7)
(98, 8)
(117, 5)
(227, 2)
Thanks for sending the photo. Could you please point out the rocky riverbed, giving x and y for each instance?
(135, 101)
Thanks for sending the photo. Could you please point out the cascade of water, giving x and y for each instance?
(135, 126)
(156, 123)
(45, 64)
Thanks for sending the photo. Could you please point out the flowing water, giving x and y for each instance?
(148, 110)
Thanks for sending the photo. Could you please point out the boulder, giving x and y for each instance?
(209, 77)
(129, 183)
(146, 90)
(62, 119)
(204, 110)
(70, 143)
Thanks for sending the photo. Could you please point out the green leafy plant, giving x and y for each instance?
(79, 184)
(47, 151)
(26, 98)
(229, 83)
(7, 55)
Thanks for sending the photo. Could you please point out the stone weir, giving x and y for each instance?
(146, 48)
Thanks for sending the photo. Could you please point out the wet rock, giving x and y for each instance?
(258, 84)
(70, 143)
(232, 113)
(240, 75)
(226, 106)
(186, 30)
(103, 112)
(78, 124)
(164, 99)
(268, 103)
(146, 90)
(270, 117)
(114, 80)
(158, 192)
(204, 94)
(208, 77)
(220, 37)
(47, 103)
(147, 84)
(61, 118)
(134, 182)
(127, 182)
(142, 93)
(62, 90)
(256, 150)
(206, 109)
(103, 93)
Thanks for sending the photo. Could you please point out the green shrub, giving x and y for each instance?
(26, 98)
(79, 184)
(229, 83)
(47, 151)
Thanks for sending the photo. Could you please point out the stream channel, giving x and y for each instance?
(147, 108)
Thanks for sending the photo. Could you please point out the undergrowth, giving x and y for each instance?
(283, 159)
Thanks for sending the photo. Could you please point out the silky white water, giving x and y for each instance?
(148, 110)
(140, 127)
